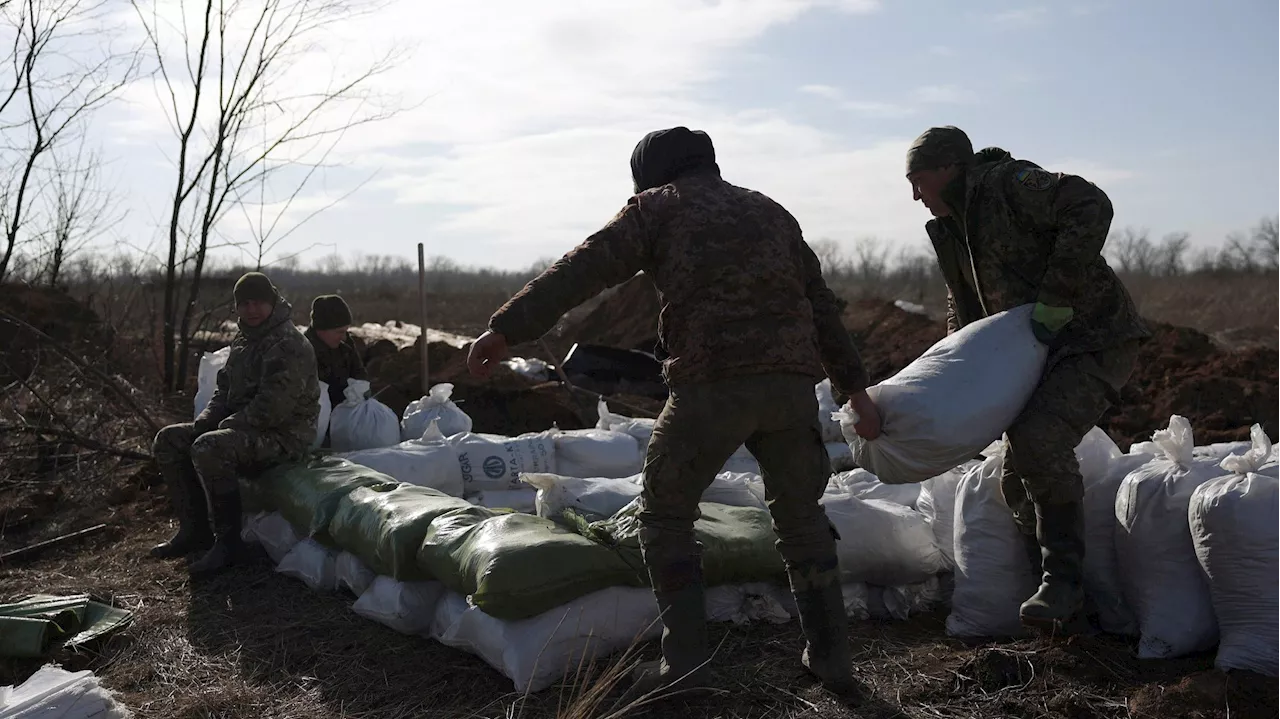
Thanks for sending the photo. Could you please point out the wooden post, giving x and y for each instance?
(422, 298)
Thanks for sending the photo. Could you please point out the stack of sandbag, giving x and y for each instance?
(937, 502)
(361, 422)
(642, 430)
(865, 485)
(384, 526)
(597, 453)
(602, 497)
(307, 494)
(430, 461)
(1161, 577)
(881, 542)
(435, 406)
(491, 462)
(1102, 586)
(959, 396)
(1234, 521)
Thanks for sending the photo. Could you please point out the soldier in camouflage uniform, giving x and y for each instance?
(748, 326)
(263, 412)
(337, 359)
(1008, 233)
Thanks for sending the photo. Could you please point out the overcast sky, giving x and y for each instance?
(523, 114)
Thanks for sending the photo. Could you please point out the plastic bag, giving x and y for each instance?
(594, 499)
(312, 563)
(864, 485)
(881, 542)
(951, 402)
(351, 574)
(406, 607)
(597, 453)
(490, 462)
(207, 377)
(360, 423)
(430, 461)
(55, 693)
(384, 526)
(434, 406)
(1159, 572)
(826, 407)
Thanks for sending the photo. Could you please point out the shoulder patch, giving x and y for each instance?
(1033, 178)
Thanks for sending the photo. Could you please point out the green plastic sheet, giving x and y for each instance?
(31, 626)
(307, 494)
(515, 566)
(384, 526)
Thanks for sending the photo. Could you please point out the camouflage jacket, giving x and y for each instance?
(1021, 235)
(269, 385)
(336, 365)
(740, 291)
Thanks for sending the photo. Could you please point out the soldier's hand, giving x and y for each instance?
(868, 424)
(488, 349)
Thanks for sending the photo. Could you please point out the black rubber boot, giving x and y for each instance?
(1060, 600)
(816, 588)
(685, 647)
(228, 549)
(189, 505)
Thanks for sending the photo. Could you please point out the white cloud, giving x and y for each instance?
(861, 107)
(827, 91)
(1022, 17)
(944, 95)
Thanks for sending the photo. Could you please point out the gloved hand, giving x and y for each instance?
(1047, 321)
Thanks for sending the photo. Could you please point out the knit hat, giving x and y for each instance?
(663, 156)
(255, 286)
(939, 147)
(329, 312)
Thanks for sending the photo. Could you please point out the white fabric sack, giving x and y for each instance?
(55, 693)
(322, 420)
(351, 574)
(1101, 570)
(736, 489)
(1159, 572)
(406, 607)
(207, 377)
(313, 563)
(826, 407)
(955, 399)
(360, 423)
(902, 602)
(1221, 450)
(993, 575)
(745, 603)
(881, 542)
(741, 462)
(490, 461)
(1235, 528)
(427, 462)
(519, 500)
(856, 595)
(865, 485)
(435, 405)
(597, 453)
(536, 652)
(937, 502)
(641, 429)
(595, 499)
(841, 457)
(274, 533)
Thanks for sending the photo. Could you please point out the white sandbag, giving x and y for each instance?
(841, 457)
(1259, 457)
(351, 574)
(274, 533)
(313, 563)
(435, 405)
(1150, 448)
(736, 489)
(430, 461)
(641, 429)
(856, 595)
(955, 399)
(207, 377)
(597, 453)
(536, 652)
(491, 461)
(1159, 572)
(594, 499)
(741, 462)
(881, 542)
(937, 502)
(55, 693)
(902, 602)
(519, 500)
(1234, 522)
(1101, 574)
(322, 419)
(745, 603)
(826, 407)
(406, 607)
(1221, 450)
(865, 485)
(360, 423)
(993, 575)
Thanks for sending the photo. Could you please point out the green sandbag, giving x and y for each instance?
(308, 493)
(515, 566)
(737, 542)
(384, 526)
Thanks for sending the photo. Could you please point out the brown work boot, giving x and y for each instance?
(1058, 604)
(187, 498)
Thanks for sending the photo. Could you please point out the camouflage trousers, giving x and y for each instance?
(217, 458)
(702, 425)
(1040, 463)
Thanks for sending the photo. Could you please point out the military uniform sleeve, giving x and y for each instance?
(216, 410)
(609, 257)
(286, 369)
(1078, 215)
(839, 356)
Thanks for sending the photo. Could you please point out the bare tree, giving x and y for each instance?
(1169, 256)
(1266, 243)
(1132, 251)
(240, 120)
(80, 210)
(62, 63)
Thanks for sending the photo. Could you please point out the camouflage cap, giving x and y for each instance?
(939, 147)
(255, 286)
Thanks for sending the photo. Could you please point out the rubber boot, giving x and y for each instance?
(228, 549)
(685, 647)
(825, 625)
(194, 533)
(1060, 599)
(1032, 546)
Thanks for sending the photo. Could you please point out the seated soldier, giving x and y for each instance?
(337, 359)
(263, 413)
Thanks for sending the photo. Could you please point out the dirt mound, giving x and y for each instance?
(626, 317)
(889, 338)
(53, 312)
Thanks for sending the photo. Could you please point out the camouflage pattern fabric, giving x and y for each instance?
(1040, 463)
(741, 293)
(775, 415)
(336, 365)
(268, 388)
(217, 457)
(1021, 235)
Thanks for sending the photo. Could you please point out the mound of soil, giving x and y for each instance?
(53, 312)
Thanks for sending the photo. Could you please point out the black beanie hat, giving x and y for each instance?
(663, 156)
(329, 312)
(255, 286)
(939, 147)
